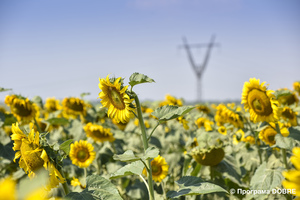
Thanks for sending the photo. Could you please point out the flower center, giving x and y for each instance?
(100, 134)
(116, 98)
(156, 170)
(260, 102)
(288, 114)
(22, 109)
(31, 156)
(82, 155)
(77, 106)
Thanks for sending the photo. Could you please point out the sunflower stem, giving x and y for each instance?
(283, 151)
(145, 143)
(65, 185)
(37, 126)
(256, 140)
(153, 131)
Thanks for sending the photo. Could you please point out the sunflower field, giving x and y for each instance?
(121, 148)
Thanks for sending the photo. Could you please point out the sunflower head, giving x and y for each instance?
(289, 115)
(171, 100)
(208, 157)
(33, 156)
(82, 153)
(268, 134)
(296, 86)
(204, 122)
(293, 176)
(24, 110)
(115, 98)
(73, 107)
(98, 132)
(222, 130)
(260, 102)
(159, 167)
(203, 108)
(289, 98)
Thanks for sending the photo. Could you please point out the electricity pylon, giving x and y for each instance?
(199, 69)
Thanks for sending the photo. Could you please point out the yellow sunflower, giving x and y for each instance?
(73, 107)
(260, 102)
(51, 106)
(204, 122)
(222, 130)
(32, 156)
(9, 99)
(267, 135)
(203, 108)
(228, 115)
(159, 167)
(288, 99)
(98, 133)
(24, 110)
(170, 100)
(289, 115)
(293, 176)
(296, 86)
(238, 136)
(82, 153)
(8, 189)
(114, 98)
(120, 125)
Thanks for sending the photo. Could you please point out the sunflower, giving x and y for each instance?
(296, 86)
(260, 102)
(73, 107)
(9, 99)
(203, 122)
(238, 136)
(208, 157)
(51, 106)
(288, 99)
(24, 110)
(228, 114)
(32, 156)
(222, 130)
(98, 133)
(203, 108)
(159, 167)
(267, 135)
(8, 189)
(289, 115)
(184, 122)
(82, 153)
(120, 125)
(114, 98)
(293, 176)
(170, 100)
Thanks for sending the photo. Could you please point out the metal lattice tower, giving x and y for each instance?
(199, 69)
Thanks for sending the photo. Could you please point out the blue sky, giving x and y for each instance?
(60, 48)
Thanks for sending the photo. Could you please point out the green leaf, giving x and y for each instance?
(266, 179)
(97, 188)
(129, 169)
(295, 132)
(169, 112)
(280, 93)
(128, 156)
(137, 78)
(190, 185)
(84, 94)
(151, 153)
(65, 146)
(284, 142)
(58, 121)
(4, 89)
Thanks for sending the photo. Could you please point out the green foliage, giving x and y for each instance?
(128, 156)
(134, 168)
(169, 112)
(65, 146)
(58, 121)
(190, 185)
(98, 188)
(4, 89)
(137, 78)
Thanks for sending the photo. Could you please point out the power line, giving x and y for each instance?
(199, 69)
